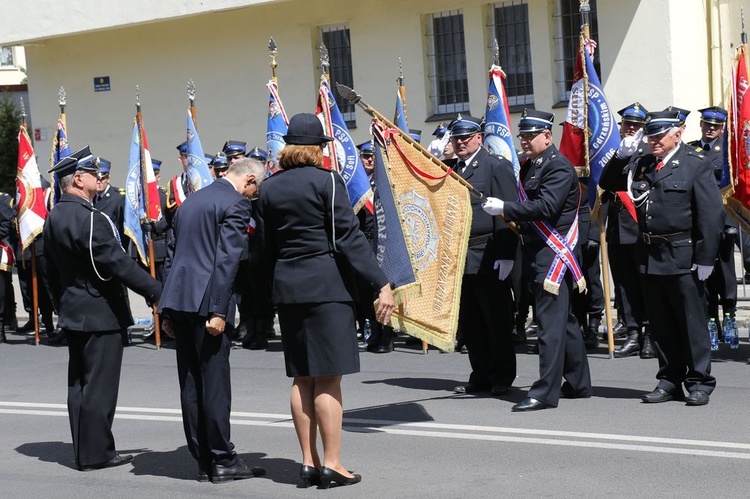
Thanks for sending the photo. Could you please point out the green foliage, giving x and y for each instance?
(10, 121)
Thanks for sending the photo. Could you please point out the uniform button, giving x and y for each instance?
(648, 217)
(653, 188)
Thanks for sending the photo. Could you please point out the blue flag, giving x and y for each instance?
(391, 251)
(605, 137)
(498, 137)
(400, 117)
(344, 151)
(134, 209)
(60, 149)
(198, 173)
(276, 128)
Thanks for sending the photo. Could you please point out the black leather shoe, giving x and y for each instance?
(309, 475)
(529, 404)
(469, 388)
(630, 347)
(590, 339)
(660, 395)
(203, 475)
(499, 389)
(381, 348)
(237, 471)
(620, 329)
(697, 397)
(647, 352)
(531, 329)
(29, 326)
(57, 338)
(519, 335)
(534, 349)
(327, 476)
(567, 392)
(118, 460)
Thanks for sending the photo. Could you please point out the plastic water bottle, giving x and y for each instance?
(734, 337)
(726, 326)
(367, 332)
(143, 321)
(713, 333)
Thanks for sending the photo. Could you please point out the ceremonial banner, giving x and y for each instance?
(342, 152)
(738, 205)
(604, 136)
(60, 149)
(198, 173)
(572, 141)
(30, 205)
(498, 137)
(432, 213)
(276, 128)
(136, 210)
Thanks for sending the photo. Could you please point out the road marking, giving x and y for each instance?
(729, 450)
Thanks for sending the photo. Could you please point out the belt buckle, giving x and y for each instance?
(646, 238)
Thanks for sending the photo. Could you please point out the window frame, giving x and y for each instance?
(338, 73)
(516, 101)
(447, 109)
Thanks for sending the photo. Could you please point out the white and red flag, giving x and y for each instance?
(30, 205)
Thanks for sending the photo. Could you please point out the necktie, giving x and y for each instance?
(706, 146)
(461, 166)
(659, 164)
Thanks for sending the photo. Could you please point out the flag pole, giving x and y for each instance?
(273, 51)
(34, 281)
(191, 98)
(585, 10)
(402, 90)
(325, 64)
(144, 193)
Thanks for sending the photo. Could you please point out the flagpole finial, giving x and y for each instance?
(23, 109)
(325, 61)
(137, 95)
(744, 33)
(348, 93)
(61, 96)
(273, 51)
(495, 53)
(191, 90)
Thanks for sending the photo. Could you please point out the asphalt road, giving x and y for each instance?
(405, 430)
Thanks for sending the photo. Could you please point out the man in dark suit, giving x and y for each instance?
(721, 285)
(679, 213)
(622, 236)
(202, 261)
(549, 205)
(486, 310)
(87, 269)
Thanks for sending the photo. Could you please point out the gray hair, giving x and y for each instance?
(248, 166)
(66, 182)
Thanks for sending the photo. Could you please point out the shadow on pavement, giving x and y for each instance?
(50, 452)
(417, 383)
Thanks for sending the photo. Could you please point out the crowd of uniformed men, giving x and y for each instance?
(669, 241)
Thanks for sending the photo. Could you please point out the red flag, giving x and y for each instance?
(739, 128)
(153, 210)
(323, 112)
(572, 142)
(30, 205)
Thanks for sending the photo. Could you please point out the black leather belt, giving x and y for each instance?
(664, 238)
(473, 241)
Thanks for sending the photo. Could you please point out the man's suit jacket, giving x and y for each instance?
(296, 207)
(75, 233)
(493, 177)
(554, 194)
(682, 198)
(202, 259)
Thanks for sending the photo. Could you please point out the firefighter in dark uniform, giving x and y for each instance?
(381, 337)
(680, 220)
(553, 196)
(721, 286)
(88, 269)
(159, 230)
(178, 188)
(486, 309)
(7, 258)
(110, 199)
(622, 236)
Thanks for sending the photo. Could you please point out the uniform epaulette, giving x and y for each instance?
(121, 190)
(693, 152)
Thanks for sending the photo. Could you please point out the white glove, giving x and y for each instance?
(503, 268)
(629, 145)
(703, 271)
(493, 206)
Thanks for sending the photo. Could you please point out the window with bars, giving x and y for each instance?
(447, 59)
(511, 30)
(568, 30)
(6, 56)
(337, 41)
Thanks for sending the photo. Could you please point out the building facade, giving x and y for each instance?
(657, 52)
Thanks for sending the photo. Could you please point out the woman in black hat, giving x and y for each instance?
(314, 247)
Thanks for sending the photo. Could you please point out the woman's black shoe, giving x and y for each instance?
(309, 475)
(327, 475)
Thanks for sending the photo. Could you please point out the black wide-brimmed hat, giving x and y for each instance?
(305, 129)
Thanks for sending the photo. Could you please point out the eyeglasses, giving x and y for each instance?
(528, 136)
(463, 138)
(81, 172)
